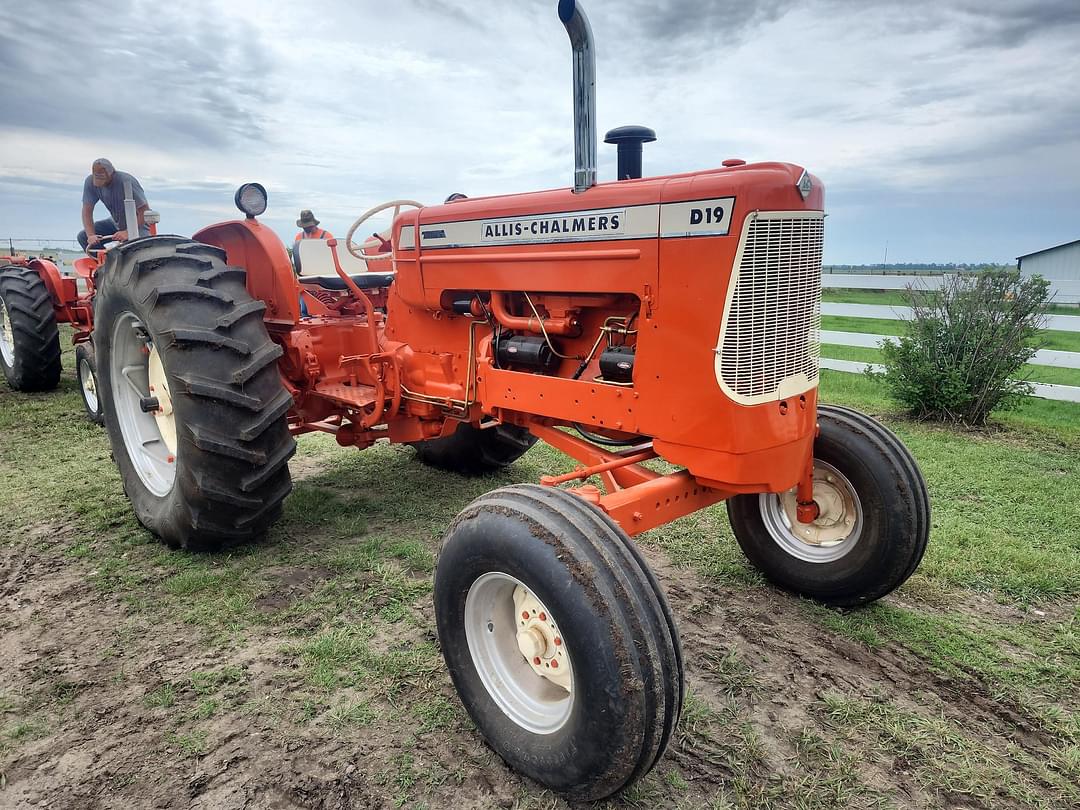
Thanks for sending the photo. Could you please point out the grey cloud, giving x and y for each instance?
(454, 11)
(676, 21)
(196, 78)
(1011, 23)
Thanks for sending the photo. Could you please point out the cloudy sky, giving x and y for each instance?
(949, 129)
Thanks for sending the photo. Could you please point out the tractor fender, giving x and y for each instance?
(258, 250)
(63, 291)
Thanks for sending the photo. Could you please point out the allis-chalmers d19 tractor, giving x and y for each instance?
(672, 318)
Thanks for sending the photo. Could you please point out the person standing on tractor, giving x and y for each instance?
(105, 184)
(309, 229)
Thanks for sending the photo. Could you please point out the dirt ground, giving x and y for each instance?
(750, 653)
(304, 672)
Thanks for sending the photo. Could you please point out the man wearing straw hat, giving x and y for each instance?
(309, 229)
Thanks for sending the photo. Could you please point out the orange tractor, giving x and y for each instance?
(35, 296)
(666, 319)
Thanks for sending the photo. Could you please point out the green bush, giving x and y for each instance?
(964, 350)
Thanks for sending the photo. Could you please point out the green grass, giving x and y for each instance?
(1048, 339)
(945, 759)
(900, 298)
(1046, 374)
(337, 604)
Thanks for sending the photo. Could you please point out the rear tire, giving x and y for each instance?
(613, 624)
(86, 375)
(870, 484)
(29, 339)
(470, 450)
(185, 360)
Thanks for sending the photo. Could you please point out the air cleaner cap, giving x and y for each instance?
(629, 140)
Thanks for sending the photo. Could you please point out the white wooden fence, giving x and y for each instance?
(1043, 357)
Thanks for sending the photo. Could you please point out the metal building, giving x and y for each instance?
(1060, 265)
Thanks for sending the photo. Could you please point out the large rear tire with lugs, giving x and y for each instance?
(471, 450)
(558, 640)
(194, 404)
(874, 520)
(29, 339)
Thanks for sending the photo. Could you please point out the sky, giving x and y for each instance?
(946, 130)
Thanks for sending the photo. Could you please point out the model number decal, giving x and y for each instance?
(706, 215)
(697, 218)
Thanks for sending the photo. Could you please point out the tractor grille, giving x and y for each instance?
(772, 328)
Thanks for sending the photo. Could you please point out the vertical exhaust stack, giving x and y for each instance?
(581, 43)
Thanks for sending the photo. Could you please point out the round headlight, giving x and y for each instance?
(251, 199)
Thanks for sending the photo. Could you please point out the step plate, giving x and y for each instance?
(353, 396)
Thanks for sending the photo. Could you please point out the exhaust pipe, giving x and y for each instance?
(581, 43)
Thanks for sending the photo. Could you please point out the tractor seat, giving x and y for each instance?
(365, 281)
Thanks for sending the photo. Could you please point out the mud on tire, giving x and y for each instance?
(229, 473)
(29, 339)
(471, 450)
(613, 622)
(890, 521)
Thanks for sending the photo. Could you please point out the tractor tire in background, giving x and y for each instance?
(875, 520)
(29, 339)
(558, 639)
(194, 404)
(86, 375)
(470, 450)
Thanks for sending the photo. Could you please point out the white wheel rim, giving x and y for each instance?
(537, 697)
(88, 384)
(832, 535)
(147, 438)
(7, 339)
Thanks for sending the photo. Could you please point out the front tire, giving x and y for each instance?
(538, 571)
(194, 404)
(86, 374)
(874, 523)
(471, 450)
(29, 339)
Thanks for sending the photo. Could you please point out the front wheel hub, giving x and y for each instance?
(832, 532)
(518, 651)
(539, 639)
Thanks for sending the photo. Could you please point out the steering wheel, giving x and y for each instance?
(358, 251)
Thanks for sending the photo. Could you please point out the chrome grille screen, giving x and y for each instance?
(770, 342)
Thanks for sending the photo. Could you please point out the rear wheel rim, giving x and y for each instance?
(89, 385)
(832, 535)
(7, 340)
(129, 373)
(498, 632)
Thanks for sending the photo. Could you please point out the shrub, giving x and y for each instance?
(965, 348)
